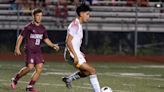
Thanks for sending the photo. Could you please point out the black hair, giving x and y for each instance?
(82, 8)
(37, 10)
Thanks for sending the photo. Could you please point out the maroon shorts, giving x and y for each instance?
(33, 58)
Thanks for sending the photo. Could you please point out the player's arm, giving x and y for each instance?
(49, 43)
(70, 46)
(18, 43)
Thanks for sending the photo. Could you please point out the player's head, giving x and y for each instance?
(37, 15)
(83, 11)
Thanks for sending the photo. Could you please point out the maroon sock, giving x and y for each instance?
(17, 77)
(32, 82)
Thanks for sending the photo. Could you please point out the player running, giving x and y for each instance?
(34, 33)
(73, 42)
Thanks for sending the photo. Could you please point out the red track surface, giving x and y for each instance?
(107, 58)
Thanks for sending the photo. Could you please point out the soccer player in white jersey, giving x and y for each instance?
(73, 44)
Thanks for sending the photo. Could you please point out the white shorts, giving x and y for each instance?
(81, 59)
(69, 58)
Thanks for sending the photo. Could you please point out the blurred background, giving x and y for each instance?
(116, 27)
(119, 30)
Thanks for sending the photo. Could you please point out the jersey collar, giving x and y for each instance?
(78, 21)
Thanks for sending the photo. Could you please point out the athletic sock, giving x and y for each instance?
(94, 83)
(32, 83)
(74, 76)
(17, 77)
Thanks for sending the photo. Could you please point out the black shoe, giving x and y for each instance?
(67, 83)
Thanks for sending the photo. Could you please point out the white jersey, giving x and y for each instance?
(75, 30)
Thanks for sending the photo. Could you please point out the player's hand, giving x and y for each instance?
(17, 52)
(75, 60)
(56, 47)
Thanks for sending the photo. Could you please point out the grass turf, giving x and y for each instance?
(121, 77)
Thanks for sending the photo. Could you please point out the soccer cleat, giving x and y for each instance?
(30, 88)
(68, 83)
(13, 84)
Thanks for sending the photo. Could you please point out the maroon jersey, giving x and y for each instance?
(34, 36)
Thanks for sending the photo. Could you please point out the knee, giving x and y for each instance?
(30, 68)
(39, 69)
(92, 71)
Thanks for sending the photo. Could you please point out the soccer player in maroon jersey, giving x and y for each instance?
(34, 33)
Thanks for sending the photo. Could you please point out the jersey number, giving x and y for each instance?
(37, 42)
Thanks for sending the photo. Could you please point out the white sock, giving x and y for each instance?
(94, 83)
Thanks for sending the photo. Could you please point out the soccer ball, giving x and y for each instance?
(106, 89)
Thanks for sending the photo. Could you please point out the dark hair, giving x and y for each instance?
(37, 10)
(82, 8)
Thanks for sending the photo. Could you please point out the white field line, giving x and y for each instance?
(137, 74)
(61, 85)
(129, 75)
(135, 67)
(153, 66)
(132, 85)
(49, 84)
(120, 91)
(132, 75)
(51, 69)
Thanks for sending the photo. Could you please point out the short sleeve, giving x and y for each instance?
(45, 35)
(24, 32)
(73, 30)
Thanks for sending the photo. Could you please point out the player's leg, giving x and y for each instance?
(35, 77)
(29, 66)
(38, 60)
(85, 70)
(20, 74)
(75, 76)
(91, 72)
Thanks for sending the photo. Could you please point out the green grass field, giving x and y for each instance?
(121, 77)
